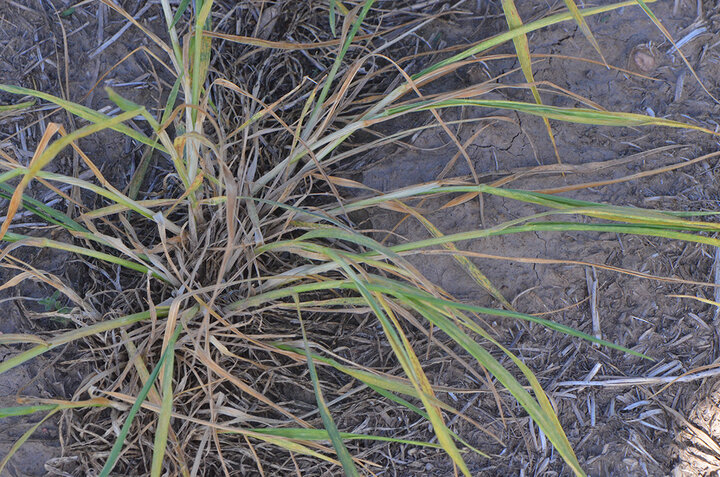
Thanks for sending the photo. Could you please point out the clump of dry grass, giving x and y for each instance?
(258, 325)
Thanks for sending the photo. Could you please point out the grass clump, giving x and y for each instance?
(248, 269)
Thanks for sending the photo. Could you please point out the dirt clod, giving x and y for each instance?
(644, 60)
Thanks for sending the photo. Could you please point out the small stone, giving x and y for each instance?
(644, 60)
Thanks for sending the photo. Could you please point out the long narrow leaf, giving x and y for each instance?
(312, 121)
(26, 435)
(304, 434)
(540, 415)
(522, 49)
(74, 335)
(118, 445)
(25, 410)
(41, 242)
(14, 107)
(575, 115)
(530, 27)
(163, 425)
(179, 12)
(42, 211)
(330, 427)
(406, 356)
(83, 112)
(582, 24)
